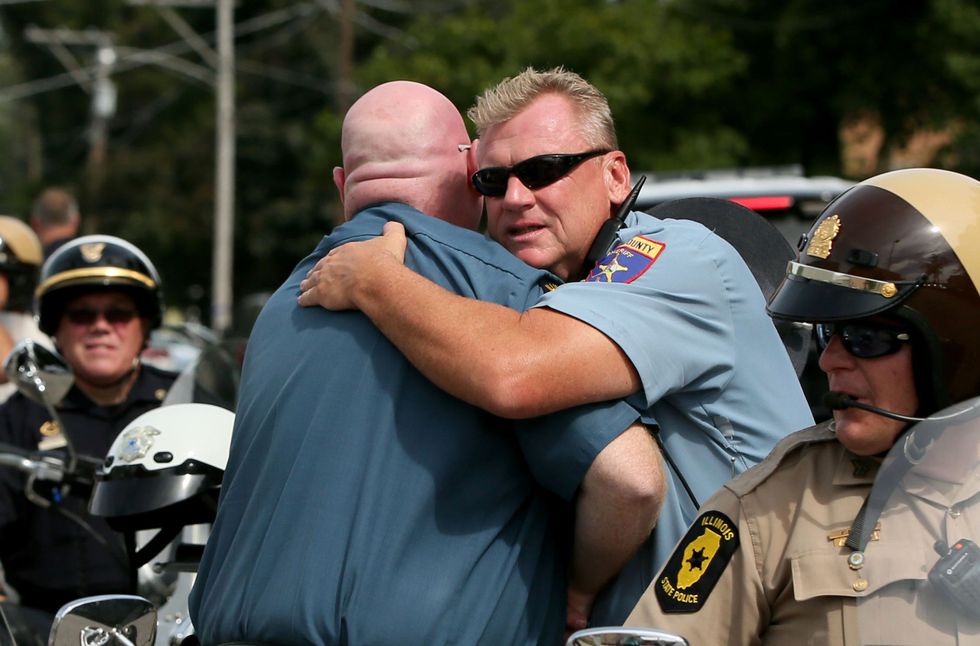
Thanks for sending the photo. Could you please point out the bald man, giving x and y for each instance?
(362, 504)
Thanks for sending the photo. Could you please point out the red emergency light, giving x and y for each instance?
(765, 203)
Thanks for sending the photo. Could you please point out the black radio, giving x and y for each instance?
(957, 574)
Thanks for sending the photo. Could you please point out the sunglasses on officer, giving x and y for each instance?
(114, 315)
(862, 340)
(534, 172)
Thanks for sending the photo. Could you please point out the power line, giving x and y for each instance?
(135, 58)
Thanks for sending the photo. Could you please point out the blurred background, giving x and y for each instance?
(119, 101)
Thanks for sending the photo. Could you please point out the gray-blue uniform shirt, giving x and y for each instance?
(685, 309)
(363, 505)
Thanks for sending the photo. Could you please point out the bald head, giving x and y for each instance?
(401, 142)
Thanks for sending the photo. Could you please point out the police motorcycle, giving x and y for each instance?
(158, 486)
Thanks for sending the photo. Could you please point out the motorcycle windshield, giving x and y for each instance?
(916, 579)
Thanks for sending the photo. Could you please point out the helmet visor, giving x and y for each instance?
(812, 294)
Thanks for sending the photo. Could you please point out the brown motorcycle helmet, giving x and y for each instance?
(20, 261)
(906, 245)
(91, 264)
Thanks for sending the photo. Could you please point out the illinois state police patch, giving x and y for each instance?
(697, 563)
(627, 262)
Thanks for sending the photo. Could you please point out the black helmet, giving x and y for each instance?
(96, 263)
(905, 244)
(20, 259)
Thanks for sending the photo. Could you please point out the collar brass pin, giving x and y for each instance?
(50, 428)
(839, 538)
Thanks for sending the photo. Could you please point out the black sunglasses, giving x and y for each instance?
(863, 340)
(534, 172)
(88, 316)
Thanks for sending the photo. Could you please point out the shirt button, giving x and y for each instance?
(860, 585)
(954, 512)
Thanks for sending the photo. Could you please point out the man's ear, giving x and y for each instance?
(471, 166)
(617, 177)
(338, 180)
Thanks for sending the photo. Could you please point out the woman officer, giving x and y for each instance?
(98, 298)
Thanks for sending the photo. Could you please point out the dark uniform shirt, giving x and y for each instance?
(48, 558)
(363, 505)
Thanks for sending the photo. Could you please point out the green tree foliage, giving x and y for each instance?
(664, 74)
(692, 83)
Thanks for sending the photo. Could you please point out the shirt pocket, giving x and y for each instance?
(886, 601)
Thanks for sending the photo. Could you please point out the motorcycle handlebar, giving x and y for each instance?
(46, 468)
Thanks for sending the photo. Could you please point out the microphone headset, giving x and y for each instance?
(836, 400)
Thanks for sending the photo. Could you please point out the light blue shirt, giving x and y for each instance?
(685, 309)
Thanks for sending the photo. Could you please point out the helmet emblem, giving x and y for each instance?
(92, 252)
(823, 238)
(136, 442)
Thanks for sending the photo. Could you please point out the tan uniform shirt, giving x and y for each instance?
(788, 580)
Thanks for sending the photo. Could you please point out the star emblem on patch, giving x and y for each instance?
(697, 563)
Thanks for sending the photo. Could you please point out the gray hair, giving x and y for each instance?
(503, 101)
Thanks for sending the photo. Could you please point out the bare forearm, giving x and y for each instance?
(467, 347)
(616, 509)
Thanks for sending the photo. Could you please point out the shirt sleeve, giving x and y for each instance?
(559, 448)
(671, 314)
(726, 605)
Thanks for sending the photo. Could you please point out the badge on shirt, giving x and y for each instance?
(627, 262)
(697, 563)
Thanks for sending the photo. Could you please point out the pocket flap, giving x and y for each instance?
(819, 573)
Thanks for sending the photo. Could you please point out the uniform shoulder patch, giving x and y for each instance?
(697, 563)
(627, 262)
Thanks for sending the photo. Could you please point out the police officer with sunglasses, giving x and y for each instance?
(798, 548)
(667, 316)
(98, 298)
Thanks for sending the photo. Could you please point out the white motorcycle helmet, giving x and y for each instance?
(165, 468)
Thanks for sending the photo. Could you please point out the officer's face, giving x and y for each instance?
(100, 336)
(886, 382)
(551, 227)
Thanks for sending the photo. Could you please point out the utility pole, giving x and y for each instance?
(99, 85)
(223, 260)
(223, 63)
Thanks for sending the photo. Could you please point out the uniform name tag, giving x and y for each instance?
(697, 563)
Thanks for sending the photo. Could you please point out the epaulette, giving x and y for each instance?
(746, 482)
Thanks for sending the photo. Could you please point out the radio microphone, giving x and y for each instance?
(835, 400)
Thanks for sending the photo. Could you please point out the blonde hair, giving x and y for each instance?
(504, 100)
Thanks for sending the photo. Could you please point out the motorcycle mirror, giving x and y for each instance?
(40, 374)
(105, 620)
(607, 636)
(43, 376)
